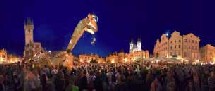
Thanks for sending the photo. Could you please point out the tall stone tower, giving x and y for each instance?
(139, 45)
(29, 27)
(29, 41)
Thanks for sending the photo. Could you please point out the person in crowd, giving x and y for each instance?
(108, 77)
(2, 86)
(59, 82)
(156, 85)
(82, 82)
(211, 81)
(98, 82)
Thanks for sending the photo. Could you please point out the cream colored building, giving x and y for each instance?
(208, 53)
(161, 47)
(113, 58)
(179, 46)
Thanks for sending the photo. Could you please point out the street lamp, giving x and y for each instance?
(167, 34)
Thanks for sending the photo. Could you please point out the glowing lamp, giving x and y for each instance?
(112, 61)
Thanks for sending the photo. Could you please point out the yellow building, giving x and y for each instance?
(186, 46)
(112, 58)
(208, 53)
(122, 57)
(8, 58)
(3, 56)
(13, 59)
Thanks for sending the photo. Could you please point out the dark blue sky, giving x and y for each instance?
(119, 22)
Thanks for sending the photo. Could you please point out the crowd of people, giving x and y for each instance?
(108, 77)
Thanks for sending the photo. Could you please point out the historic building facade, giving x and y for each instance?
(8, 58)
(179, 46)
(208, 53)
(135, 47)
(90, 58)
(3, 56)
(135, 54)
(161, 47)
(122, 57)
(31, 47)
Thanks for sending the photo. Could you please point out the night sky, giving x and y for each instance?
(119, 22)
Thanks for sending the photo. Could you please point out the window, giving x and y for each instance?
(179, 46)
(185, 40)
(179, 41)
(192, 41)
(170, 47)
(175, 46)
(185, 54)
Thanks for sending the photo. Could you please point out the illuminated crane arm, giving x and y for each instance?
(88, 24)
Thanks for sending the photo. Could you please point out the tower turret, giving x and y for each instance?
(29, 40)
(29, 27)
(139, 44)
(131, 46)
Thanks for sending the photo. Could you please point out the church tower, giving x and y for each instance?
(29, 41)
(29, 27)
(131, 46)
(139, 44)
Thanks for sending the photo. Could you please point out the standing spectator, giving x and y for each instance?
(211, 81)
(98, 82)
(43, 80)
(170, 82)
(196, 82)
(156, 85)
(2, 86)
(59, 82)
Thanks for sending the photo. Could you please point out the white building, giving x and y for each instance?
(135, 47)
